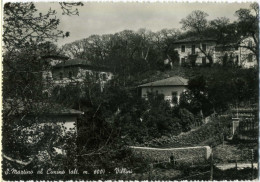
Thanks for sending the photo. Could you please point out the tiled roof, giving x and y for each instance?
(74, 62)
(38, 108)
(61, 57)
(194, 39)
(172, 81)
(227, 45)
(66, 111)
(82, 63)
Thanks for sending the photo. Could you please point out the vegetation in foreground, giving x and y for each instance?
(116, 117)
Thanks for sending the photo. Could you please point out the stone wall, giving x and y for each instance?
(192, 155)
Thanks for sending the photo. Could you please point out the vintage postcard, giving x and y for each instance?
(130, 91)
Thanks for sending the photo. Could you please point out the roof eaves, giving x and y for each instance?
(181, 80)
(160, 84)
(189, 40)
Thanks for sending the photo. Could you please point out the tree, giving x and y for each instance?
(196, 98)
(223, 30)
(247, 24)
(127, 53)
(27, 34)
(196, 22)
(163, 41)
(110, 123)
(187, 119)
(73, 50)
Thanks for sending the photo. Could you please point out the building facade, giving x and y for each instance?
(247, 58)
(196, 51)
(171, 88)
(79, 70)
(193, 48)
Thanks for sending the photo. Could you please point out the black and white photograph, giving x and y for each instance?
(130, 91)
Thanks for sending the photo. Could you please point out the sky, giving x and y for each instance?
(109, 18)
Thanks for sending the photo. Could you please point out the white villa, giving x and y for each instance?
(171, 88)
(197, 48)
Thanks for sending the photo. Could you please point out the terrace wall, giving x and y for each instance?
(192, 155)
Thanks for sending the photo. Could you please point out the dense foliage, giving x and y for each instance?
(210, 134)
(27, 36)
(124, 111)
(116, 116)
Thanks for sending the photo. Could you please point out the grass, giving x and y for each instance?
(210, 134)
(234, 152)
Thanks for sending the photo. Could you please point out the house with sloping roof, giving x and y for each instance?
(171, 88)
(78, 70)
(41, 119)
(195, 48)
(41, 113)
(51, 59)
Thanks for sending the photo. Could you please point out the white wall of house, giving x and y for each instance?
(243, 56)
(183, 55)
(67, 121)
(80, 74)
(83, 73)
(167, 91)
(232, 54)
(68, 125)
(247, 57)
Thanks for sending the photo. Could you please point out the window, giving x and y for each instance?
(193, 49)
(61, 75)
(70, 74)
(204, 47)
(183, 48)
(250, 43)
(48, 78)
(174, 94)
(204, 59)
(87, 75)
(182, 60)
(174, 97)
(237, 59)
(104, 77)
(250, 58)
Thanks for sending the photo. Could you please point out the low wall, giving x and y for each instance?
(192, 155)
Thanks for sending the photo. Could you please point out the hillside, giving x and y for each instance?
(216, 71)
(210, 134)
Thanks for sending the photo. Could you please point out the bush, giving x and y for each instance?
(187, 119)
(208, 134)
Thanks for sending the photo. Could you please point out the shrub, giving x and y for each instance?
(208, 134)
